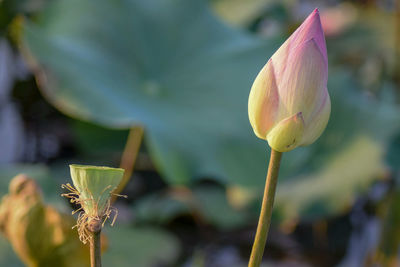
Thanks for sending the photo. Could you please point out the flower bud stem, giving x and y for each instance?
(266, 210)
(95, 245)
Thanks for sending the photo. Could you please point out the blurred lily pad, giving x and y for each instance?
(239, 12)
(173, 67)
(208, 204)
(187, 79)
(145, 247)
(331, 189)
(217, 210)
(160, 208)
(94, 140)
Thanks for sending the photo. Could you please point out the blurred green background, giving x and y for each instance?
(76, 75)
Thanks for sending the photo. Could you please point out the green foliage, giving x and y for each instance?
(243, 12)
(93, 140)
(393, 154)
(9, 9)
(140, 247)
(173, 67)
(161, 208)
(7, 255)
(207, 204)
(175, 79)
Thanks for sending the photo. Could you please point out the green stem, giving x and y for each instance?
(95, 249)
(129, 156)
(266, 209)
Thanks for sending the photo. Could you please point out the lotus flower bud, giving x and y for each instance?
(289, 104)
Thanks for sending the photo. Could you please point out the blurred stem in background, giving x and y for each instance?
(396, 72)
(387, 252)
(266, 209)
(129, 157)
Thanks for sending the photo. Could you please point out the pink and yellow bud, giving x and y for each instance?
(289, 104)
